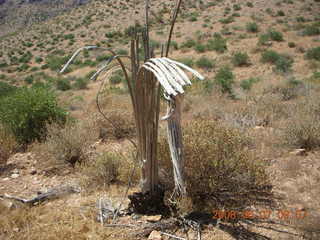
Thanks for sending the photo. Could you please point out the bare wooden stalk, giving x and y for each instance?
(174, 134)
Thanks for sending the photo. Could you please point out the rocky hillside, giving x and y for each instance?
(17, 14)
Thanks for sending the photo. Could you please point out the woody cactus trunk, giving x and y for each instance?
(145, 84)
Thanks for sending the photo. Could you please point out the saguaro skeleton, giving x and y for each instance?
(144, 82)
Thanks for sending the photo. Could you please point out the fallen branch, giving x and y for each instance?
(172, 236)
(51, 194)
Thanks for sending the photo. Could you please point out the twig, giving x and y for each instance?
(120, 225)
(172, 236)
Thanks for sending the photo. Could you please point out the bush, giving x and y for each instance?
(252, 27)
(7, 145)
(303, 128)
(55, 62)
(246, 84)
(284, 63)
(200, 48)
(69, 143)
(275, 35)
(311, 30)
(120, 125)
(205, 63)
(117, 77)
(225, 79)
(187, 61)
(80, 83)
(218, 44)
(6, 89)
(240, 59)
(313, 53)
(27, 111)
(291, 45)
(270, 56)
(104, 171)
(188, 43)
(63, 84)
(215, 158)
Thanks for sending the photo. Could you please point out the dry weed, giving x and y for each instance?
(219, 169)
(7, 145)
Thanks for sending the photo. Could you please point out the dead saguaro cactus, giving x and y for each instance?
(145, 81)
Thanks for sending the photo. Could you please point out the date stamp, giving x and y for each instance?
(282, 214)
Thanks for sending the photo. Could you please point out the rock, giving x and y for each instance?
(155, 218)
(155, 235)
(258, 128)
(7, 204)
(15, 171)
(299, 152)
(33, 171)
(14, 175)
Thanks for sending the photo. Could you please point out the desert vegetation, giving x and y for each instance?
(250, 129)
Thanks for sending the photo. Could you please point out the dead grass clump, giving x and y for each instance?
(303, 127)
(68, 144)
(219, 169)
(109, 168)
(122, 125)
(7, 145)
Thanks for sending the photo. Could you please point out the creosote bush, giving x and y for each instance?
(240, 59)
(218, 167)
(109, 168)
(225, 79)
(123, 122)
(68, 144)
(27, 111)
(303, 128)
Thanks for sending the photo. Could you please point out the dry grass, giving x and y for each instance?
(68, 144)
(220, 170)
(302, 130)
(109, 168)
(7, 145)
(55, 222)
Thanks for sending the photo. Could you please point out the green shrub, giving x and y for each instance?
(291, 45)
(284, 63)
(240, 59)
(116, 79)
(187, 61)
(63, 84)
(281, 13)
(80, 83)
(275, 35)
(270, 56)
(225, 79)
(6, 89)
(8, 145)
(227, 20)
(250, 4)
(218, 44)
(27, 111)
(313, 53)
(246, 84)
(188, 43)
(29, 79)
(200, 48)
(56, 62)
(205, 63)
(252, 27)
(311, 30)
(215, 158)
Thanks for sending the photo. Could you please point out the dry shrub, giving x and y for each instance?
(303, 127)
(109, 168)
(220, 171)
(7, 145)
(121, 125)
(68, 144)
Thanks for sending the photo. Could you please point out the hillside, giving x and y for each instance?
(258, 109)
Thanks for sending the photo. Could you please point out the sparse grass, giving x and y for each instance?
(311, 30)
